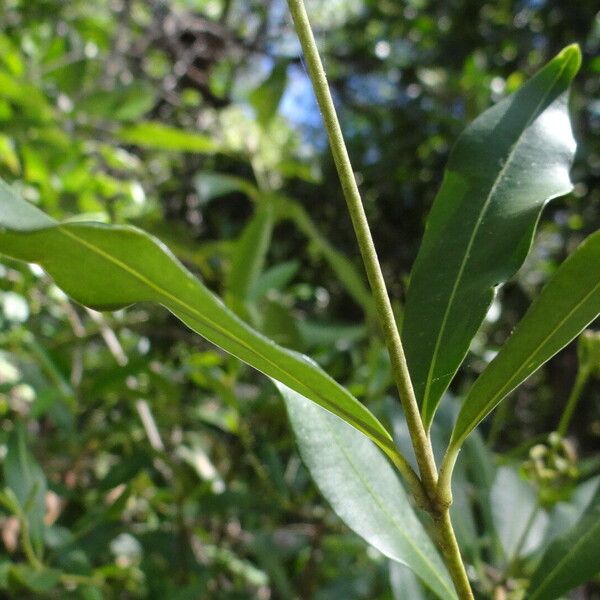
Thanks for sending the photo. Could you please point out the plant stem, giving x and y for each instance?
(451, 553)
(27, 546)
(522, 539)
(419, 437)
(580, 382)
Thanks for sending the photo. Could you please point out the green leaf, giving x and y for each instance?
(274, 278)
(266, 97)
(151, 134)
(211, 185)
(571, 559)
(109, 267)
(250, 252)
(25, 478)
(38, 581)
(123, 103)
(505, 166)
(344, 269)
(364, 491)
(568, 303)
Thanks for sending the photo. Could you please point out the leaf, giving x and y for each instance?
(38, 581)
(505, 166)
(109, 267)
(572, 559)
(344, 269)
(153, 134)
(404, 584)
(568, 303)
(123, 103)
(520, 531)
(566, 514)
(274, 278)
(266, 97)
(211, 185)
(363, 490)
(250, 252)
(25, 478)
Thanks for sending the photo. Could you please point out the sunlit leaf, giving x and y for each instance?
(505, 166)
(110, 267)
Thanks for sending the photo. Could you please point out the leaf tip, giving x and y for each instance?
(571, 56)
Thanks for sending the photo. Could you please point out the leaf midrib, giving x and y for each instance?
(215, 327)
(530, 356)
(582, 540)
(384, 509)
(496, 183)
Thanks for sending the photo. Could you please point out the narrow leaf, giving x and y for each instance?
(364, 491)
(250, 252)
(569, 302)
(572, 559)
(211, 185)
(266, 97)
(156, 135)
(25, 478)
(340, 264)
(109, 267)
(505, 166)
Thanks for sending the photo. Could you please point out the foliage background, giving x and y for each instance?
(171, 469)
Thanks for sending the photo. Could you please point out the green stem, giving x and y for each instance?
(446, 470)
(522, 539)
(580, 382)
(451, 553)
(420, 439)
(27, 546)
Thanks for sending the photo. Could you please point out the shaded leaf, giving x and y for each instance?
(152, 134)
(519, 522)
(364, 491)
(344, 269)
(266, 97)
(39, 581)
(505, 166)
(122, 103)
(276, 277)
(250, 252)
(24, 476)
(572, 559)
(211, 185)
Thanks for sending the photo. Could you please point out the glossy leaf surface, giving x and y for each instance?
(364, 491)
(569, 302)
(505, 166)
(109, 267)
